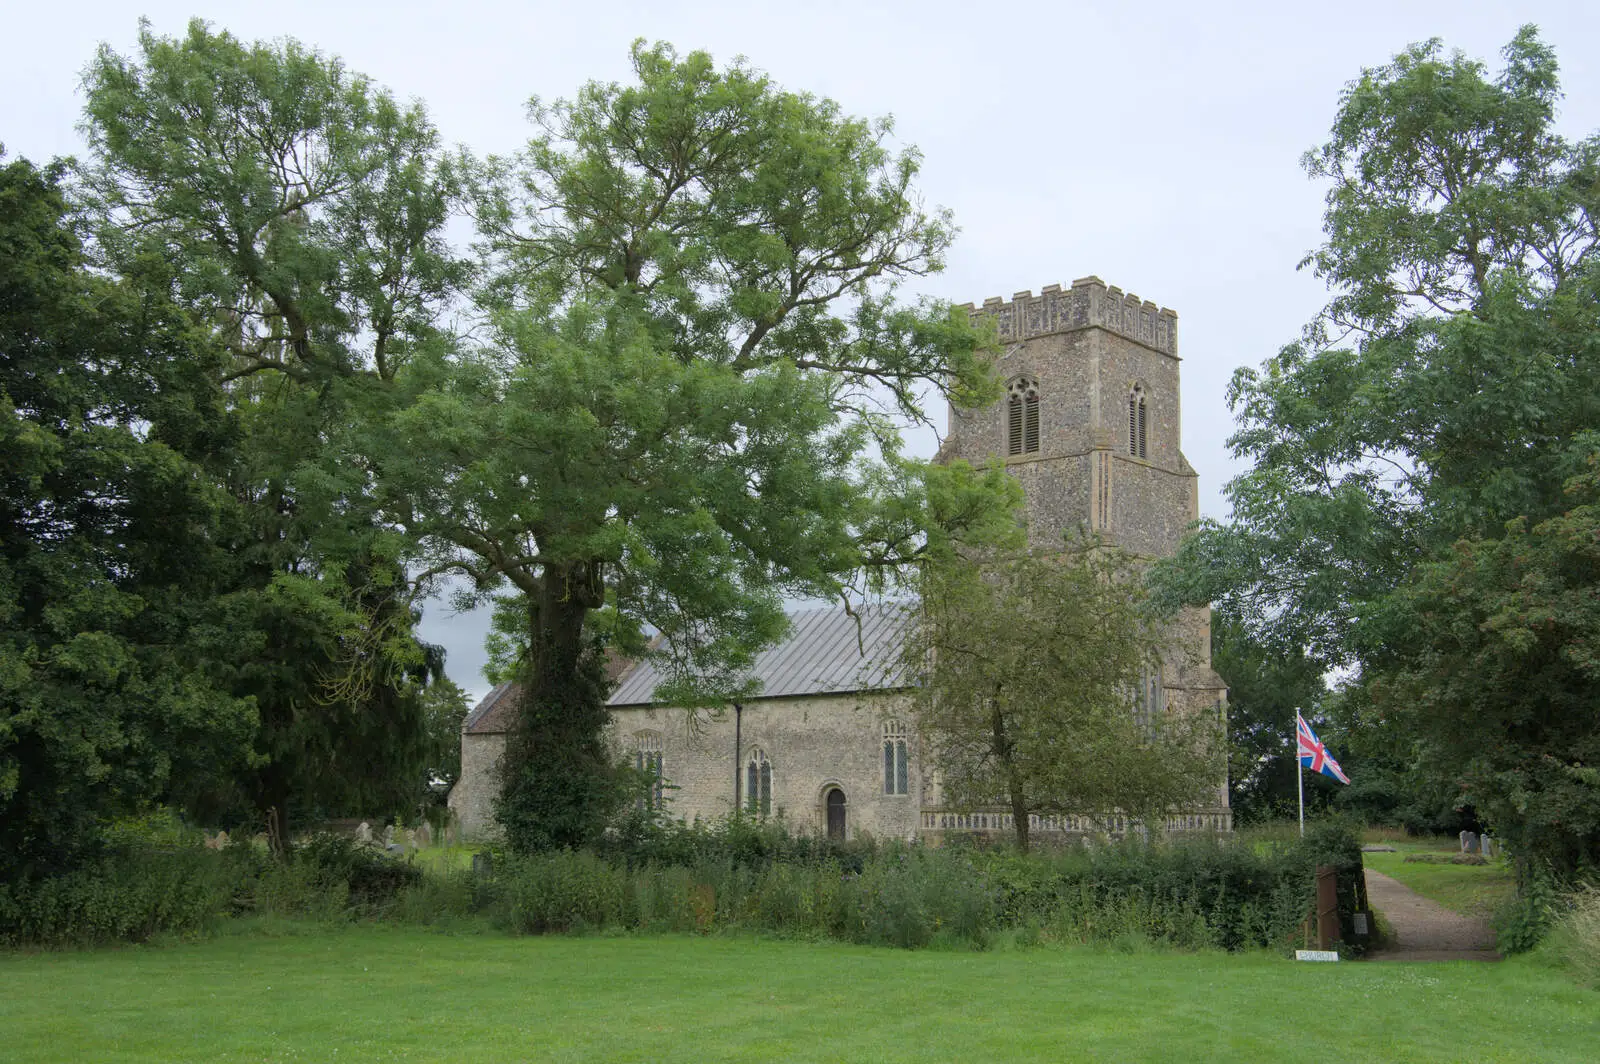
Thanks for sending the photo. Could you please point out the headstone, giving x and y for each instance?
(423, 836)
(364, 834)
(483, 865)
(452, 831)
(1469, 841)
(1486, 846)
(218, 841)
(388, 836)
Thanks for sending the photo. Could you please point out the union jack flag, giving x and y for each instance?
(1313, 755)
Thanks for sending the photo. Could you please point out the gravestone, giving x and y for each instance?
(1469, 842)
(452, 831)
(1486, 846)
(364, 834)
(483, 865)
(388, 836)
(423, 836)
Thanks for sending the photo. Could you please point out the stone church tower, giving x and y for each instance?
(1089, 423)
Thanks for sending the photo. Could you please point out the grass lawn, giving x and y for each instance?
(371, 993)
(1472, 890)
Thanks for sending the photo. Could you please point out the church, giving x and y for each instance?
(1089, 425)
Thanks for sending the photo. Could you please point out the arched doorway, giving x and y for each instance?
(835, 802)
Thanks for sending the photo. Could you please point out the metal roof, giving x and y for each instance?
(825, 652)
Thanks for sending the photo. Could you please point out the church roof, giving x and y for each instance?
(826, 652)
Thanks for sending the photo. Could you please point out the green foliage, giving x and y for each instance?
(560, 783)
(122, 897)
(1372, 529)
(109, 551)
(1035, 690)
(1506, 643)
(1265, 689)
(295, 213)
(736, 875)
(672, 419)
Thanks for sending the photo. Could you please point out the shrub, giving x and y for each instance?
(561, 891)
(123, 896)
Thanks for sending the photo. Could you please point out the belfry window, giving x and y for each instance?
(1022, 416)
(1136, 416)
(896, 769)
(758, 784)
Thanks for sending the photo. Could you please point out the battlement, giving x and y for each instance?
(1089, 302)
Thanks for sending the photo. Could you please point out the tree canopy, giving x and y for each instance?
(295, 214)
(1040, 690)
(109, 558)
(1449, 388)
(682, 405)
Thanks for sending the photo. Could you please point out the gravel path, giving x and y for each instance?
(1424, 930)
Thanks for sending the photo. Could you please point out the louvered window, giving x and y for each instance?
(1022, 416)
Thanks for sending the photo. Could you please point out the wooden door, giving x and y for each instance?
(836, 814)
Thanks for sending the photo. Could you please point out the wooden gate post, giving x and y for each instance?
(1327, 906)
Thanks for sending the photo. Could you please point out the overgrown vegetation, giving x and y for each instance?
(1574, 939)
(736, 876)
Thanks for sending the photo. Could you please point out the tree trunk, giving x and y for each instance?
(1019, 812)
(273, 805)
(1003, 747)
(557, 782)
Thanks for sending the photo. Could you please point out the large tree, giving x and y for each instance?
(1038, 690)
(1451, 386)
(296, 213)
(110, 542)
(682, 408)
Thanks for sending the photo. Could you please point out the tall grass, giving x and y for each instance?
(1575, 937)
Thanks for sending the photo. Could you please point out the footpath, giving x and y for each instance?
(1424, 930)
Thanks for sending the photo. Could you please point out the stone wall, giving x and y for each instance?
(472, 798)
(813, 743)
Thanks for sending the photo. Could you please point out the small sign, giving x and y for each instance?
(1316, 955)
(1359, 920)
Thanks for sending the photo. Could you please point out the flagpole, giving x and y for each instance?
(1299, 776)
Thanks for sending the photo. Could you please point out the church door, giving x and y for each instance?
(836, 814)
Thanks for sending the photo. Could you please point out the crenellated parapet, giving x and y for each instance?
(1089, 302)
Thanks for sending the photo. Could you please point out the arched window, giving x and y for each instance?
(1136, 437)
(896, 770)
(758, 783)
(647, 760)
(1022, 416)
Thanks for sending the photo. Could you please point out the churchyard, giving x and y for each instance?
(298, 992)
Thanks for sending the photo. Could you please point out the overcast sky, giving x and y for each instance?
(1155, 145)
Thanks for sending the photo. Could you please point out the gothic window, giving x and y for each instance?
(1147, 700)
(758, 783)
(1022, 416)
(647, 760)
(1136, 415)
(896, 769)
